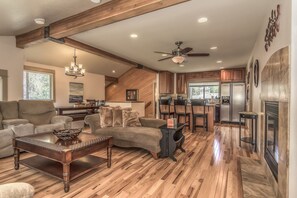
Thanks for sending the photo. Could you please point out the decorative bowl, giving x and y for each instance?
(67, 134)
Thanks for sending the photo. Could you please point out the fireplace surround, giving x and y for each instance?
(271, 149)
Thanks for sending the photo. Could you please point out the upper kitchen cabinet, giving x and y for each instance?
(166, 82)
(233, 75)
(180, 83)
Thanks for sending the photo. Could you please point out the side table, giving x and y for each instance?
(253, 138)
(172, 139)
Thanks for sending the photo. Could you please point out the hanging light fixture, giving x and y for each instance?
(75, 69)
(178, 59)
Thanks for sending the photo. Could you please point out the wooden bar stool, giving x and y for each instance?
(198, 111)
(164, 108)
(180, 110)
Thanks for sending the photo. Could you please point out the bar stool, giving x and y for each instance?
(180, 110)
(198, 111)
(164, 108)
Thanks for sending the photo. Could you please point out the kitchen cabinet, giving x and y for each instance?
(233, 75)
(166, 82)
(180, 83)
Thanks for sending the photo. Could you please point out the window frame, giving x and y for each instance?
(203, 85)
(4, 76)
(47, 71)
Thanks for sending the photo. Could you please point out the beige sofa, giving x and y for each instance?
(147, 136)
(27, 117)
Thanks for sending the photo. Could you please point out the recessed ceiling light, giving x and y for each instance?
(133, 35)
(219, 61)
(222, 67)
(181, 65)
(113, 71)
(164, 55)
(202, 20)
(39, 21)
(96, 1)
(214, 48)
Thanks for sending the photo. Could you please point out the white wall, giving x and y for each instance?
(282, 39)
(293, 106)
(94, 84)
(12, 59)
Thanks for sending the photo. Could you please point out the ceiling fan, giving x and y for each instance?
(178, 55)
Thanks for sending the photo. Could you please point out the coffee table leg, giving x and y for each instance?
(16, 158)
(109, 147)
(66, 176)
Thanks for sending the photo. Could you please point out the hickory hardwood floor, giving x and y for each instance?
(209, 168)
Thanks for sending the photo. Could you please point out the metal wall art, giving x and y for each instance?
(272, 28)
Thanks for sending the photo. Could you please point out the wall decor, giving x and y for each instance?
(76, 92)
(256, 73)
(272, 28)
(248, 77)
(131, 94)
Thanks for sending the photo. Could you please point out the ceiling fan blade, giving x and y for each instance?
(165, 58)
(198, 54)
(186, 50)
(163, 53)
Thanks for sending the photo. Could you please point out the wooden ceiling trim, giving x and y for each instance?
(111, 79)
(110, 12)
(31, 38)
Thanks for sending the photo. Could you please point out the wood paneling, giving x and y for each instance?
(166, 82)
(134, 79)
(181, 83)
(208, 168)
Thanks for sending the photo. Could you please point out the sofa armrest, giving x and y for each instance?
(66, 120)
(16, 190)
(151, 122)
(93, 121)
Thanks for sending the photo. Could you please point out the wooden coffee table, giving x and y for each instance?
(64, 160)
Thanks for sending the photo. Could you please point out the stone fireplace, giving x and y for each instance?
(274, 128)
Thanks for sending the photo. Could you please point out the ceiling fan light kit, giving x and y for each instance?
(178, 55)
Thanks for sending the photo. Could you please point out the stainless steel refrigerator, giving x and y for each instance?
(232, 101)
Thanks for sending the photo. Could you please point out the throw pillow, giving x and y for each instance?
(117, 117)
(106, 117)
(130, 119)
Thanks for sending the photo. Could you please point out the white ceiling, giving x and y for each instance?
(17, 16)
(233, 26)
(50, 53)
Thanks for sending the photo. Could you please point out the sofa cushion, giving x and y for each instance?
(23, 129)
(130, 119)
(106, 117)
(12, 122)
(142, 137)
(36, 111)
(19, 189)
(9, 110)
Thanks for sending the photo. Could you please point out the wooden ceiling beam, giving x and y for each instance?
(110, 12)
(90, 49)
(111, 79)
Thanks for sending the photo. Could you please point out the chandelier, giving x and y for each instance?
(178, 59)
(75, 69)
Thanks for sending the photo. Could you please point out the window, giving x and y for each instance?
(204, 90)
(38, 84)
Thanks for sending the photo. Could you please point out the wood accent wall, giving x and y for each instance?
(134, 79)
(204, 76)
